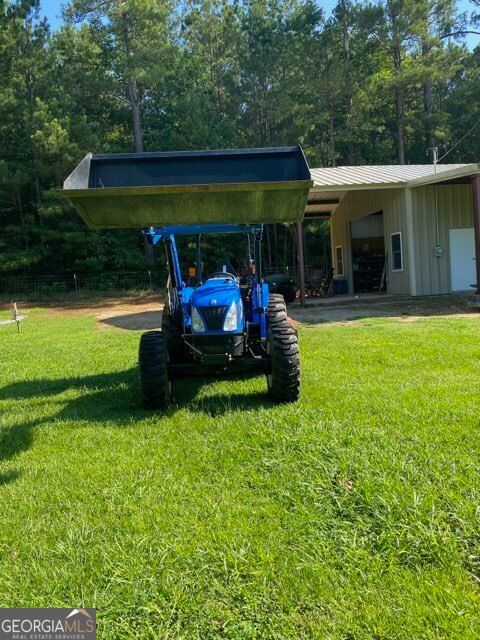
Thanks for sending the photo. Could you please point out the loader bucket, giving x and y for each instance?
(239, 186)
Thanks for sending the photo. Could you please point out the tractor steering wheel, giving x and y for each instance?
(223, 274)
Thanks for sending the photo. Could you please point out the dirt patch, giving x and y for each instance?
(99, 306)
(144, 312)
(405, 311)
(133, 313)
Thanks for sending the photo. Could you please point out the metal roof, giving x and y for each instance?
(386, 176)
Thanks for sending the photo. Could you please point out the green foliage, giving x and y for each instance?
(161, 74)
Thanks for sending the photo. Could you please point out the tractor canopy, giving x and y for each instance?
(236, 186)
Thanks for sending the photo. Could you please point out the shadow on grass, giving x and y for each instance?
(9, 476)
(111, 397)
(135, 321)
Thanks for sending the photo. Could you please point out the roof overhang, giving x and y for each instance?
(321, 204)
(453, 174)
(331, 184)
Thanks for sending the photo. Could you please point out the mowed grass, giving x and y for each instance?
(352, 514)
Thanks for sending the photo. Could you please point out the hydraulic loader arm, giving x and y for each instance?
(175, 283)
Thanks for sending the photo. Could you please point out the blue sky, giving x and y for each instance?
(52, 9)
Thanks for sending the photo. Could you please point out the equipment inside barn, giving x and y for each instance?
(368, 253)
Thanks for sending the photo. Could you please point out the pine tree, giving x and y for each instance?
(139, 35)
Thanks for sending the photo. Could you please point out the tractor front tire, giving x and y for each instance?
(177, 351)
(276, 309)
(155, 386)
(284, 378)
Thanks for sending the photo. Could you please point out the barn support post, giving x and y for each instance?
(301, 261)
(410, 241)
(476, 224)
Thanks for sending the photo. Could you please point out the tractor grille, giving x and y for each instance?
(213, 317)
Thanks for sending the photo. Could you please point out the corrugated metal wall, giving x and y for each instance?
(360, 203)
(455, 211)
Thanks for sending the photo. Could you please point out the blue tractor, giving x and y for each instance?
(222, 321)
(226, 323)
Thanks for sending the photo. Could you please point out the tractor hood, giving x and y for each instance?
(216, 292)
(235, 186)
(218, 303)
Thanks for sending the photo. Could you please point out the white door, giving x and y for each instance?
(462, 259)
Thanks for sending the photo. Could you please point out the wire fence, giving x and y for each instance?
(311, 271)
(45, 286)
(107, 284)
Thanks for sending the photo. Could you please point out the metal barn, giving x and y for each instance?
(405, 229)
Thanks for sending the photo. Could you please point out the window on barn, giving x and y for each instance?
(339, 260)
(397, 251)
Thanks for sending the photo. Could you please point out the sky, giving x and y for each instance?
(52, 10)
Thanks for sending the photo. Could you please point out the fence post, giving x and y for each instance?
(75, 282)
(150, 279)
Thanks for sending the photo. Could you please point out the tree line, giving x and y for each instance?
(373, 83)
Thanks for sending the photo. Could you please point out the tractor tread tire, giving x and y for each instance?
(177, 351)
(276, 309)
(284, 380)
(153, 367)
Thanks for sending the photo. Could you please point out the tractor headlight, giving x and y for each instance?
(197, 322)
(233, 317)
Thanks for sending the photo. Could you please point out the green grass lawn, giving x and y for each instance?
(353, 514)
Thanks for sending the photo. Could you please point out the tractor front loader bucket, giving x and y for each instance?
(239, 186)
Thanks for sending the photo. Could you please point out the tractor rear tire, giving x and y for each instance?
(276, 309)
(155, 386)
(289, 294)
(284, 378)
(177, 351)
